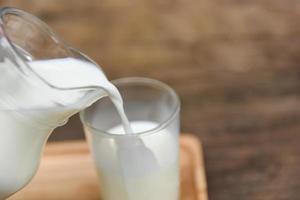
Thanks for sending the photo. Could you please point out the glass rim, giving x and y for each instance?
(138, 81)
(44, 27)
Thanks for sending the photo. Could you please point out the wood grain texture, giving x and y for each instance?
(67, 172)
(235, 65)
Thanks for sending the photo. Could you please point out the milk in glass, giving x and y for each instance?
(137, 167)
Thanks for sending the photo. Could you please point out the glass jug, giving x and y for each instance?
(31, 107)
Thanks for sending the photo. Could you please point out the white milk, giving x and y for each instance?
(71, 73)
(130, 169)
(29, 111)
(127, 172)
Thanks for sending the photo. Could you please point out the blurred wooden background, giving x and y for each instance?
(235, 65)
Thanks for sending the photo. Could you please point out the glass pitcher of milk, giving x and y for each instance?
(43, 82)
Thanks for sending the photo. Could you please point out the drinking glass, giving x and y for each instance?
(143, 165)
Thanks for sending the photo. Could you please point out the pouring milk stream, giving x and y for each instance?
(37, 95)
(15, 120)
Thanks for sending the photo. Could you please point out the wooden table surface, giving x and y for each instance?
(235, 65)
(67, 172)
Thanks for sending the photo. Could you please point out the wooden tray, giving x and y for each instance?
(67, 172)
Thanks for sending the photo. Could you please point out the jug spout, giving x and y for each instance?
(41, 58)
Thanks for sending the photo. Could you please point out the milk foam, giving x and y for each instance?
(137, 127)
